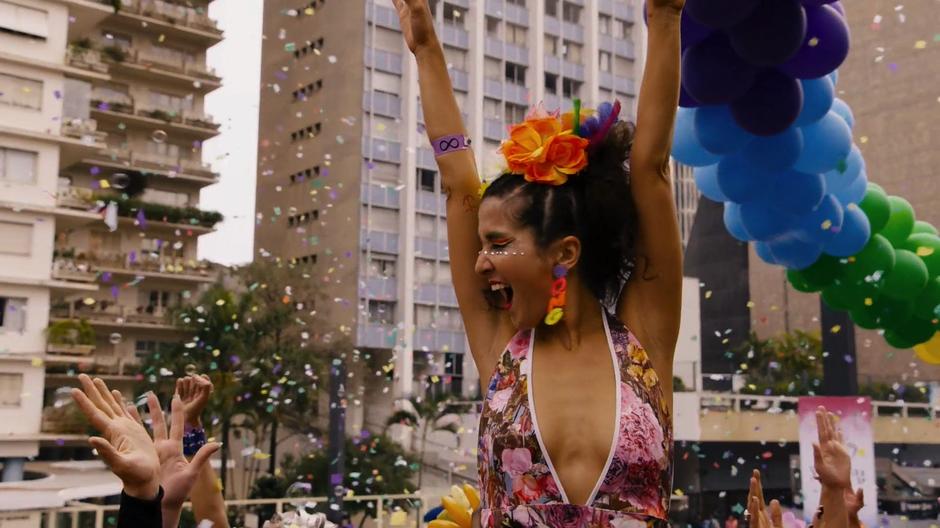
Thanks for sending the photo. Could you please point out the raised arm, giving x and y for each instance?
(459, 179)
(652, 301)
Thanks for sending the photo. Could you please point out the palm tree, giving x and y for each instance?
(430, 414)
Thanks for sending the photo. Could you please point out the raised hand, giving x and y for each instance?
(757, 511)
(125, 446)
(194, 391)
(832, 462)
(176, 473)
(854, 502)
(675, 5)
(417, 25)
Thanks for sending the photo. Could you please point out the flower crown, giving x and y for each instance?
(548, 147)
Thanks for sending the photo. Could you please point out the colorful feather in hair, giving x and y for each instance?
(607, 115)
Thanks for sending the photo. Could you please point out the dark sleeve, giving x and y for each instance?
(137, 513)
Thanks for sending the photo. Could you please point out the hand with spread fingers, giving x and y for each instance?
(195, 392)
(417, 24)
(125, 446)
(757, 513)
(832, 462)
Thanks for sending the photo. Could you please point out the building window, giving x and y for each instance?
(453, 368)
(24, 21)
(571, 13)
(312, 46)
(551, 83)
(18, 166)
(381, 267)
(381, 219)
(604, 61)
(623, 29)
(570, 88)
(381, 312)
(306, 174)
(120, 40)
(175, 104)
(516, 34)
(455, 15)
(302, 94)
(515, 113)
(551, 45)
(20, 92)
(603, 24)
(571, 51)
(307, 259)
(305, 133)
(493, 26)
(515, 73)
(426, 180)
(11, 389)
(520, 3)
(12, 314)
(17, 238)
(303, 218)
(551, 8)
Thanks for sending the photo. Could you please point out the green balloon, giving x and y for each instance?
(799, 282)
(835, 298)
(892, 312)
(823, 272)
(865, 317)
(927, 247)
(897, 340)
(927, 303)
(873, 185)
(924, 227)
(900, 222)
(908, 277)
(876, 207)
(877, 255)
(916, 330)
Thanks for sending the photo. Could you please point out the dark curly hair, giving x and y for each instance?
(596, 206)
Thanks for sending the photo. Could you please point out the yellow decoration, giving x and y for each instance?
(929, 352)
(398, 518)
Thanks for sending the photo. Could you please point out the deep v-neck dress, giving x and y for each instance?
(519, 486)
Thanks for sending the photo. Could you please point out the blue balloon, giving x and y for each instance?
(763, 251)
(846, 173)
(771, 104)
(842, 108)
(797, 192)
(706, 179)
(855, 232)
(834, 77)
(855, 192)
(817, 100)
(793, 253)
(822, 223)
(685, 146)
(763, 222)
(717, 131)
(775, 152)
(732, 218)
(825, 143)
(712, 73)
(740, 181)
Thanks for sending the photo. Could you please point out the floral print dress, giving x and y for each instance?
(519, 486)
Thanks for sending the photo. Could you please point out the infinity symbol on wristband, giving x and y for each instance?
(447, 144)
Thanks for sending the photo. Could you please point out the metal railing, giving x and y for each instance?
(78, 510)
(175, 14)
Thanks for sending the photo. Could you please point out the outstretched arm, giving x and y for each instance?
(652, 300)
(459, 179)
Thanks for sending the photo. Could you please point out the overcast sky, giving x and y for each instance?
(234, 153)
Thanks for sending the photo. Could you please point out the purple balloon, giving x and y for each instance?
(692, 31)
(816, 3)
(825, 47)
(686, 100)
(770, 106)
(772, 34)
(838, 7)
(712, 73)
(720, 14)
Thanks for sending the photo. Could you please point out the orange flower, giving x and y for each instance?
(540, 150)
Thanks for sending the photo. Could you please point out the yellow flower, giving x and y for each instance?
(635, 371)
(637, 354)
(650, 379)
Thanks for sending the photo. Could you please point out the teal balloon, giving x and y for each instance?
(826, 143)
(876, 207)
(927, 247)
(717, 131)
(924, 227)
(685, 145)
(926, 304)
(873, 262)
(900, 221)
(908, 278)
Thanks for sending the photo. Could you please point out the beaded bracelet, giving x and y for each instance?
(193, 439)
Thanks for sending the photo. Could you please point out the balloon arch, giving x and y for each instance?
(759, 121)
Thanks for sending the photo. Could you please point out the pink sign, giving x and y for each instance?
(855, 423)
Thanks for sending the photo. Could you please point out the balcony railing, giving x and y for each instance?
(136, 57)
(83, 129)
(175, 14)
(135, 262)
(85, 199)
(85, 59)
(113, 314)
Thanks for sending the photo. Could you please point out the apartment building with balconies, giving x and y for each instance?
(101, 131)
